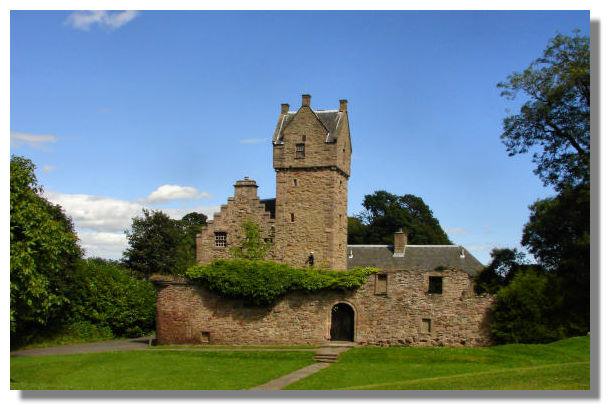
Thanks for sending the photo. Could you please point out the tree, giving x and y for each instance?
(505, 262)
(523, 311)
(385, 213)
(252, 245)
(159, 244)
(44, 251)
(106, 295)
(558, 235)
(554, 121)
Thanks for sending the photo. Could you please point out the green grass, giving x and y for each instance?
(171, 370)
(562, 365)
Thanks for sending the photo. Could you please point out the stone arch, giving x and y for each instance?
(343, 322)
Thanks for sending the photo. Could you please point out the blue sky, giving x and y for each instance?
(168, 109)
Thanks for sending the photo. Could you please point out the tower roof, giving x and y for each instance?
(330, 119)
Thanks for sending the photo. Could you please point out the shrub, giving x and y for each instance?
(105, 294)
(75, 332)
(523, 312)
(263, 282)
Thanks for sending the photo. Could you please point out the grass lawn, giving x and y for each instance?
(560, 365)
(160, 369)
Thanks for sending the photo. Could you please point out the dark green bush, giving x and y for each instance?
(523, 312)
(262, 282)
(105, 294)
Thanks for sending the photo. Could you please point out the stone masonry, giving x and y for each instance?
(405, 314)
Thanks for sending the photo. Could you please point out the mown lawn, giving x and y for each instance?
(155, 369)
(562, 365)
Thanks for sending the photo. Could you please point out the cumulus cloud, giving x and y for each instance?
(84, 20)
(103, 244)
(168, 192)
(32, 140)
(95, 212)
(100, 221)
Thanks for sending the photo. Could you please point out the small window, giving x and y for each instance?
(381, 284)
(205, 337)
(426, 325)
(435, 285)
(220, 239)
(303, 138)
(292, 217)
(295, 182)
(300, 151)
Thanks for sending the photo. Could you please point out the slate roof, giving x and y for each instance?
(416, 257)
(331, 119)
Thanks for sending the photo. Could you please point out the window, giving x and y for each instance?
(381, 284)
(220, 239)
(300, 150)
(295, 182)
(303, 138)
(426, 325)
(292, 217)
(205, 337)
(435, 285)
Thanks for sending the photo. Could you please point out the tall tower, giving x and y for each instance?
(311, 157)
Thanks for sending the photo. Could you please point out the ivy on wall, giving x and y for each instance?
(263, 282)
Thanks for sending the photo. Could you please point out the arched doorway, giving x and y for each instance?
(342, 322)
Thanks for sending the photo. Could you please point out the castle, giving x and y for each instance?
(422, 295)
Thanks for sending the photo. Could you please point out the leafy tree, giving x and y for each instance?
(357, 231)
(558, 236)
(160, 244)
(524, 312)
(252, 246)
(106, 295)
(44, 250)
(554, 121)
(385, 213)
(505, 262)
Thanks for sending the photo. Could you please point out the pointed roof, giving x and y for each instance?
(330, 119)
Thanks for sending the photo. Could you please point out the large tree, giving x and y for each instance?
(44, 251)
(558, 235)
(385, 213)
(553, 122)
(159, 244)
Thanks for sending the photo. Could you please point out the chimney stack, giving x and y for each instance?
(343, 105)
(400, 242)
(305, 100)
(285, 108)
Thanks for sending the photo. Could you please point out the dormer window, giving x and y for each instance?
(300, 151)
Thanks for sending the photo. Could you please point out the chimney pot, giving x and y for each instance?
(285, 108)
(305, 100)
(400, 242)
(343, 105)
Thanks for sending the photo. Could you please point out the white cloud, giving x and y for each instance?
(97, 213)
(84, 20)
(48, 168)
(168, 192)
(32, 140)
(253, 140)
(103, 244)
(100, 221)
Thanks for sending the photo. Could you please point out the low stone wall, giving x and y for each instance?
(404, 314)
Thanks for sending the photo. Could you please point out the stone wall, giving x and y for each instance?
(457, 317)
(244, 205)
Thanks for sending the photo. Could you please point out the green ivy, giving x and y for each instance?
(263, 282)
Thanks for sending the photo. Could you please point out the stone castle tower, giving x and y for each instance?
(307, 221)
(311, 157)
